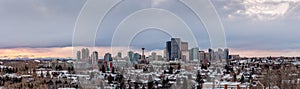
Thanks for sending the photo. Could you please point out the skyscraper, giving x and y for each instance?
(119, 55)
(136, 56)
(78, 55)
(153, 55)
(107, 57)
(85, 53)
(194, 54)
(130, 57)
(184, 46)
(185, 56)
(207, 58)
(221, 54)
(226, 53)
(143, 54)
(168, 50)
(211, 54)
(94, 57)
(201, 56)
(175, 48)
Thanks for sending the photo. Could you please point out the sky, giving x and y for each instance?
(253, 27)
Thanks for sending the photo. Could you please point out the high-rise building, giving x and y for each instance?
(107, 57)
(153, 55)
(185, 56)
(207, 58)
(94, 57)
(216, 55)
(168, 50)
(165, 52)
(136, 56)
(85, 53)
(221, 54)
(78, 55)
(226, 53)
(194, 54)
(143, 54)
(119, 55)
(175, 48)
(211, 54)
(130, 57)
(184, 46)
(201, 56)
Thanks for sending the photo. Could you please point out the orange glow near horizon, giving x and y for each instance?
(265, 53)
(36, 52)
(64, 52)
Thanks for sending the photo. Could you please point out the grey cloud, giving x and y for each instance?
(49, 23)
(37, 23)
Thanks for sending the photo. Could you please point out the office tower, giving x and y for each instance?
(226, 53)
(184, 46)
(153, 55)
(130, 56)
(175, 48)
(78, 55)
(207, 58)
(119, 55)
(165, 52)
(221, 54)
(85, 53)
(194, 54)
(136, 56)
(216, 55)
(143, 54)
(107, 57)
(168, 50)
(94, 57)
(185, 51)
(211, 54)
(185, 56)
(201, 56)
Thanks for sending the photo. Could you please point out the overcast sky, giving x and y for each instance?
(249, 25)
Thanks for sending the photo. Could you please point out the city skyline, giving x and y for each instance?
(149, 44)
(45, 28)
(66, 52)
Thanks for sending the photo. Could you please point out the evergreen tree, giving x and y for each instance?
(103, 69)
(110, 79)
(171, 70)
(113, 70)
(48, 74)
(199, 78)
(136, 85)
(150, 82)
(129, 87)
(42, 74)
(234, 77)
(242, 79)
